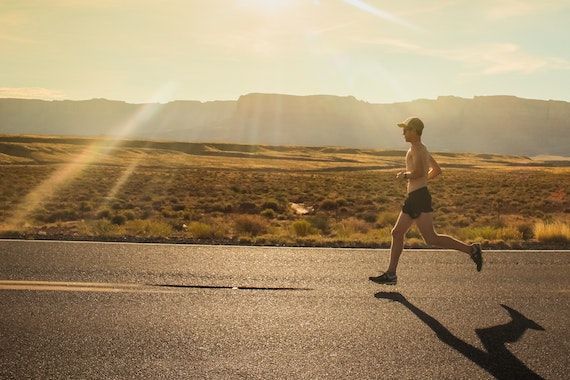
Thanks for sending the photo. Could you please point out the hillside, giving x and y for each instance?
(490, 124)
(135, 190)
(49, 150)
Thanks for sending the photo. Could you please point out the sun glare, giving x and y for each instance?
(266, 5)
(93, 152)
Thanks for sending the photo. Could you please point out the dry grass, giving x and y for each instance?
(175, 194)
(302, 228)
(490, 233)
(351, 226)
(251, 225)
(557, 232)
(200, 230)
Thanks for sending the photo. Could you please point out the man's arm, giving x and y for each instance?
(434, 170)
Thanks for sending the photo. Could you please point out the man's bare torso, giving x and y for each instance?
(417, 160)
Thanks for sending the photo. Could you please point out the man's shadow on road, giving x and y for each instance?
(497, 359)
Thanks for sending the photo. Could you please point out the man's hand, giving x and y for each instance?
(401, 175)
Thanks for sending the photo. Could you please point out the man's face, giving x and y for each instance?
(409, 134)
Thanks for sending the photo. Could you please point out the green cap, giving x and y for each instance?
(413, 123)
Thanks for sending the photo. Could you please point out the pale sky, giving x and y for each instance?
(377, 51)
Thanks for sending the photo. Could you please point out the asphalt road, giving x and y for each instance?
(144, 311)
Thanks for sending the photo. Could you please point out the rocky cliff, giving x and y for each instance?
(487, 124)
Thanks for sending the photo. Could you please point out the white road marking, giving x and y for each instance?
(118, 287)
(80, 287)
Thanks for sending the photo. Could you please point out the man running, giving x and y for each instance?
(420, 167)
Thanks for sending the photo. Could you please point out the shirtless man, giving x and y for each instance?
(420, 167)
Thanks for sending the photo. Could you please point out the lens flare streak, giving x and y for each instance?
(64, 175)
(363, 6)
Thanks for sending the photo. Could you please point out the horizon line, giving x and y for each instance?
(289, 95)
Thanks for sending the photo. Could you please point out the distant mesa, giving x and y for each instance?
(484, 124)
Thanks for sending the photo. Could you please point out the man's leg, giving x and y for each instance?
(425, 225)
(398, 233)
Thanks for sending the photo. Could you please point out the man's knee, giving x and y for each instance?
(397, 233)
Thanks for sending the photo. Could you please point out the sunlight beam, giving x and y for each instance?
(64, 175)
(363, 6)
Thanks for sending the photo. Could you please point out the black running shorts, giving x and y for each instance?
(418, 201)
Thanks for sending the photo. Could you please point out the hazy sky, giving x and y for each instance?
(377, 51)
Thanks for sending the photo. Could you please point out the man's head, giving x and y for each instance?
(413, 128)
